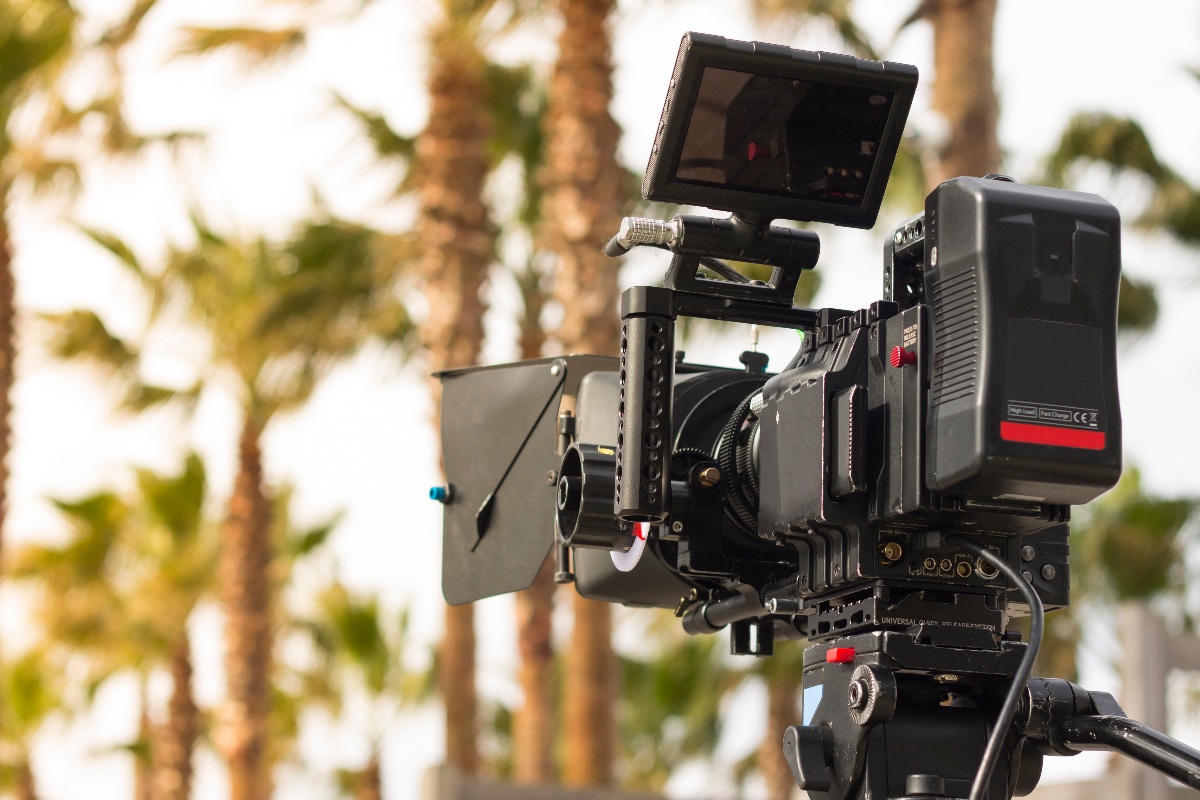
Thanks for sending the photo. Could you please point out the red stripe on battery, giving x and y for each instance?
(1048, 434)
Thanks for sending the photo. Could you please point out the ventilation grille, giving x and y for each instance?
(956, 337)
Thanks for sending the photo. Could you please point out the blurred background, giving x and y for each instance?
(237, 237)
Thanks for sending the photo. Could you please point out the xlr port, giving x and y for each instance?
(985, 570)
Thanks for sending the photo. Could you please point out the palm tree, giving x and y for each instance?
(276, 318)
(964, 88)
(30, 685)
(36, 41)
(119, 593)
(360, 655)
(39, 41)
(586, 191)
(446, 166)
(670, 709)
(455, 243)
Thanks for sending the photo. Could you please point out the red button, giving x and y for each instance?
(901, 357)
(839, 655)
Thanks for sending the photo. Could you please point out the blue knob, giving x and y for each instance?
(438, 493)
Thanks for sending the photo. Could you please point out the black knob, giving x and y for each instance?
(807, 749)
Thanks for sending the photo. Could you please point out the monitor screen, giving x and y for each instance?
(768, 132)
(789, 137)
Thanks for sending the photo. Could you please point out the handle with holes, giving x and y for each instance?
(644, 442)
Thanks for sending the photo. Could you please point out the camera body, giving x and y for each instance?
(978, 396)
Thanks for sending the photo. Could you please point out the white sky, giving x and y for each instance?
(363, 444)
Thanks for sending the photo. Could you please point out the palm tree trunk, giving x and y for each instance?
(245, 593)
(26, 788)
(590, 697)
(176, 739)
(8, 313)
(369, 783)
(456, 243)
(143, 764)
(585, 193)
(781, 712)
(964, 91)
(586, 189)
(533, 723)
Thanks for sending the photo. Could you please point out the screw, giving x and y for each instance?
(555, 368)
(858, 694)
(677, 527)
(771, 605)
(709, 477)
(551, 478)
(1048, 571)
(1028, 553)
(1028, 576)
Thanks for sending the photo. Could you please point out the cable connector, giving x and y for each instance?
(643, 231)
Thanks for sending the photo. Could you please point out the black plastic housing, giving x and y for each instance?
(835, 75)
(1022, 285)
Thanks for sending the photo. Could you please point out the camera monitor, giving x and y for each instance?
(768, 132)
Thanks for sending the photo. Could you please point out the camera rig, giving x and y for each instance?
(896, 494)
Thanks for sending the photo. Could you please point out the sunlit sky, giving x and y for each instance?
(364, 444)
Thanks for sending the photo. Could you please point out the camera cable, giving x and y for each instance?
(1008, 710)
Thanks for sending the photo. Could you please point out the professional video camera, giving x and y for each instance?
(896, 494)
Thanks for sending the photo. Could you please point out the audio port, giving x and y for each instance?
(930, 564)
(985, 570)
(946, 565)
(964, 569)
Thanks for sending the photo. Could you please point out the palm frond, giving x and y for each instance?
(1176, 210)
(45, 171)
(1129, 545)
(82, 336)
(254, 45)
(298, 544)
(1137, 306)
(906, 186)
(144, 397)
(117, 247)
(34, 37)
(176, 501)
(389, 144)
(1118, 142)
(123, 32)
